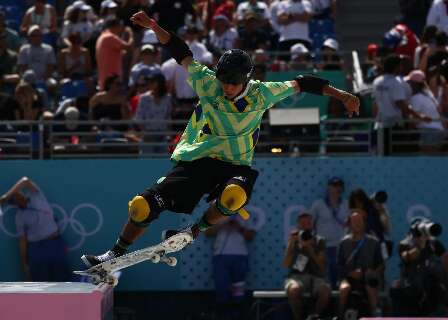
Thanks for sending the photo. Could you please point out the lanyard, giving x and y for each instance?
(356, 250)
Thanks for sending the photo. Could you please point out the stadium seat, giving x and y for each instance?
(74, 88)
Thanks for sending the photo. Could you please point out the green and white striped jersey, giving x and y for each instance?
(224, 129)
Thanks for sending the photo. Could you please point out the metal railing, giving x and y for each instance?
(136, 139)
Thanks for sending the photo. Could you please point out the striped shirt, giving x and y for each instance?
(226, 129)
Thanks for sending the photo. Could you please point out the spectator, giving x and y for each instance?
(401, 40)
(252, 36)
(208, 9)
(41, 14)
(259, 8)
(70, 110)
(223, 37)
(91, 16)
(8, 63)
(77, 22)
(30, 106)
(433, 57)
(146, 66)
(74, 61)
(372, 65)
(109, 50)
(109, 9)
(231, 264)
(36, 55)
(273, 15)
(421, 289)
(424, 102)
(172, 14)
(414, 13)
(259, 72)
(41, 97)
(390, 101)
(13, 40)
(305, 260)
(428, 41)
(377, 222)
(293, 17)
(330, 217)
(200, 52)
(155, 106)
(438, 15)
(109, 104)
(300, 58)
(324, 9)
(330, 55)
(360, 263)
(42, 250)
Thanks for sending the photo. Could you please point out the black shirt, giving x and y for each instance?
(8, 107)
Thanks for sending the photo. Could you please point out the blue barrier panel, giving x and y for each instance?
(90, 198)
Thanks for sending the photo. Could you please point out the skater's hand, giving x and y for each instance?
(351, 104)
(141, 18)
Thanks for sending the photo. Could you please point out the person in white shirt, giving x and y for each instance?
(330, 216)
(231, 264)
(177, 76)
(293, 17)
(222, 36)
(423, 101)
(390, 101)
(260, 8)
(77, 22)
(438, 15)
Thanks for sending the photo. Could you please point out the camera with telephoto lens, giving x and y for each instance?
(306, 235)
(425, 228)
(380, 197)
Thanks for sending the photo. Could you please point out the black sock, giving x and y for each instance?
(121, 246)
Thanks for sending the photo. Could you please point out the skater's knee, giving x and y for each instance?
(232, 199)
(144, 208)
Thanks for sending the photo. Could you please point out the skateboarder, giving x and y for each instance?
(216, 149)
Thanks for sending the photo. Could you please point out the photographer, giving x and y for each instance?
(421, 289)
(360, 263)
(305, 259)
(377, 219)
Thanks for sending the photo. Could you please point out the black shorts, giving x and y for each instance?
(185, 185)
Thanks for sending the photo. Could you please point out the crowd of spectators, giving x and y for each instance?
(62, 54)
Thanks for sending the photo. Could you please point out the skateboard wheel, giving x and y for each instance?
(171, 261)
(155, 259)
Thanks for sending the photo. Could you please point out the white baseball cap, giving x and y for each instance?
(71, 115)
(298, 49)
(149, 37)
(81, 5)
(331, 43)
(110, 4)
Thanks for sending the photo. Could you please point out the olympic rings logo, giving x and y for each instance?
(66, 221)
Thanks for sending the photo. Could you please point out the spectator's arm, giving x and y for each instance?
(289, 254)
(248, 234)
(128, 44)
(318, 255)
(61, 64)
(334, 8)
(88, 63)
(26, 21)
(24, 182)
(302, 17)
(409, 254)
(53, 18)
(404, 107)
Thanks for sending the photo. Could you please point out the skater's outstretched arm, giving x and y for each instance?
(178, 47)
(319, 86)
(24, 182)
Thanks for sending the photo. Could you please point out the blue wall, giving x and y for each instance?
(93, 196)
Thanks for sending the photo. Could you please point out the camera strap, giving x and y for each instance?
(355, 250)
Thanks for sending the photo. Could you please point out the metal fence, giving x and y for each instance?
(136, 139)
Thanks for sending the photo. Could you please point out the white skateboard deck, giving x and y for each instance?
(158, 253)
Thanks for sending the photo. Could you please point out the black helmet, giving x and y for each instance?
(234, 67)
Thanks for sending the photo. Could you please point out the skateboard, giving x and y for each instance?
(103, 272)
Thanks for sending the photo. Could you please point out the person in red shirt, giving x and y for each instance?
(401, 40)
(110, 49)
